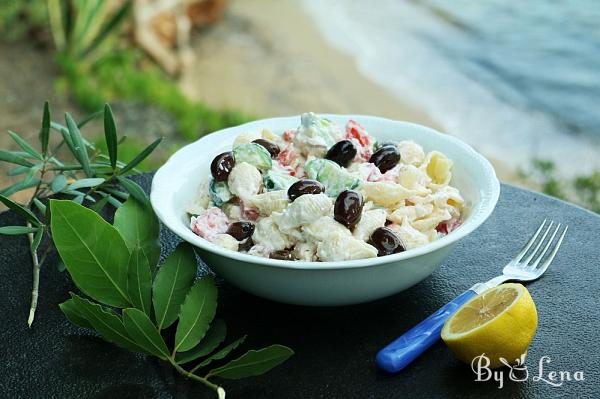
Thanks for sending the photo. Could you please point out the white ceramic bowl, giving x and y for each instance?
(324, 283)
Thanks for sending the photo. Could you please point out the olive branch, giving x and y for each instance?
(89, 175)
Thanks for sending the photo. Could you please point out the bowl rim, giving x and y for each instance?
(487, 203)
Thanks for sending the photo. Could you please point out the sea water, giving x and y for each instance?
(518, 80)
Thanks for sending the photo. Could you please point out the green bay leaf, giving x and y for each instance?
(74, 314)
(213, 338)
(106, 322)
(196, 313)
(93, 251)
(172, 283)
(226, 350)
(139, 281)
(253, 363)
(144, 332)
(139, 226)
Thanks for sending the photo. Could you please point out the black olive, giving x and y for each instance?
(302, 187)
(386, 144)
(385, 158)
(269, 146)
(241, 230)
(342, 152)
(221, 166)
(386, 242)
(348, 208)
(246, 245)
(284, 254)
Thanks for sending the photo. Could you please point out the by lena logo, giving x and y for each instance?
(517, 371)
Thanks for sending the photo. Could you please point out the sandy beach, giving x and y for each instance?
(280, 66)
(268, 66)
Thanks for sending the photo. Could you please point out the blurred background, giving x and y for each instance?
(519, 81)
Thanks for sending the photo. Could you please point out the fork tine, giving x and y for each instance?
(529, 244)
(545, 265)
(541, 256)
(537, 247)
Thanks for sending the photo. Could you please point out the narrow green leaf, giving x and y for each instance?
(114, 202)
(58, 183)
(108, 28)
(172, 283)
(107, 323)
(7, 156)
(117, 193)
(93, 251)
(45, 130)
(139, 281)
(21, 210)
(16, 230)
(39, 205)
(139, 227)
(18, 170)
(213, 338)
(141, 156)
(88, 119)
(86, 183)
(134, 189)
(144, 332)
(66, 137)
(110, 134)
(253, 363)
(37, 239)
(74, 315)
(78, 145)
(25, 145)
(196, 313)
(19, 186)
(221, 353)
(98, 206)
(66, 167)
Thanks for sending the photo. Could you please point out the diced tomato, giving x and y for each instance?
(355, 130)
(448, 226)
(209, 223)
(287, 156)
(442, 228)
(289, 135)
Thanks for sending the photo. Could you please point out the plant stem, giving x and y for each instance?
(36, 279)
(193, 376)
(34, 256)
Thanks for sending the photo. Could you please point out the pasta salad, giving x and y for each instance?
(324, 192)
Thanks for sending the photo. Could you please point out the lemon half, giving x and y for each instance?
(499, 323)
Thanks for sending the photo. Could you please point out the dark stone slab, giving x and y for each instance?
(335, 347)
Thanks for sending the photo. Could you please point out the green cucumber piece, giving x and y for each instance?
(254, 154)
(274, 181)
(219, 192)
(335, 178)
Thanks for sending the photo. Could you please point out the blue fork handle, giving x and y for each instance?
(400, 353)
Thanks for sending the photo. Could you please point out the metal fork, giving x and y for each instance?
(526, 266)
